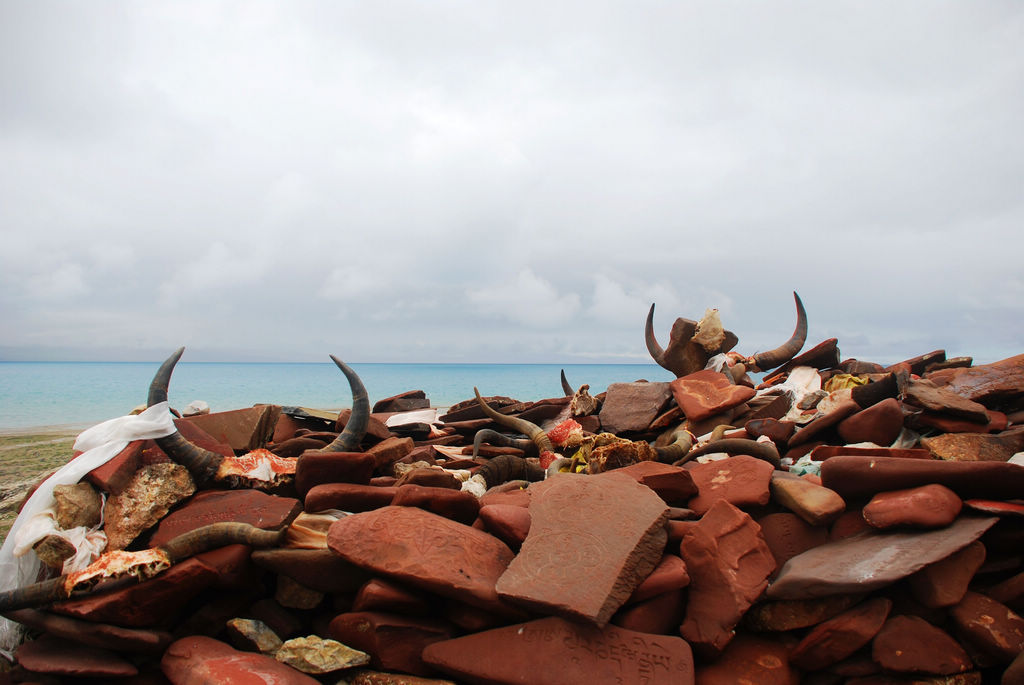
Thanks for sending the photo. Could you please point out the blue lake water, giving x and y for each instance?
(85, 393)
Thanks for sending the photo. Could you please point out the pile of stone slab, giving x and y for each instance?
(885, 544)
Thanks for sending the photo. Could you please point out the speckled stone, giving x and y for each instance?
(150, 494)
(198, 659)
(990, 626)
(316, 656)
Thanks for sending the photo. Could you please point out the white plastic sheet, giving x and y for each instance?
(19, 565)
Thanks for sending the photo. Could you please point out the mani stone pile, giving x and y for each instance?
(842, 523)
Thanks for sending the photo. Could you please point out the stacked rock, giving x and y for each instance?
(841, 523)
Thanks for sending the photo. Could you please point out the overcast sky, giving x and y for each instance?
(507, 182)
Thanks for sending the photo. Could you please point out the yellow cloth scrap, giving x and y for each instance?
(843, 381)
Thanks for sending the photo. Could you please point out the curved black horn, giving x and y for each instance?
(657, 352)
(566, 388)
(530, 430)
(201, 463)
(359, 421)
(782, 354)
(732, 446)
(495, 438)
(217, 535)
(681, 445)
(506, 467)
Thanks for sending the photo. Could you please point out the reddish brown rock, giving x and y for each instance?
(150, 494)
(823, 452)
(839, 637)
(787, 535)
(729, 564)
(997, 421)
(854, 477)
(53, 656)
(406, 401)
(319, 569)
(114, 476)
(614, 546)
(452, 504)
(659, 615)
(824, 355)
(375, 429)
(384, 596)
(508, 522)
(995, 447)
(517, 497)
(929, 506)
(390, 450)
(880, 423)
(670, 574)
(816, 428)
(847, 525)
(393, 642)
(243, 429)
(673, 484)
(348, 497)
(429, 478)
(990, 626)
(552, 651)
(750, 659)
(424, 550)
(986, 383)
(742, 481)
(196, 659)
(706, 393)
(1014, 673)
(872, 560)
(790, 614)
(100, 635)
(317, 468)
(814, 503)
(153, 602)
(927, 395)
(909, 644)
(293, 448)
(632, 406)
(256, 508)
(945, 582)
(1009, 592)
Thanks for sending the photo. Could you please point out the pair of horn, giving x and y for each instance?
(203, 464)
(763, 361)
(534, 432)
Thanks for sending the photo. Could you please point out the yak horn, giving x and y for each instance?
(657, 352)
(495, 438)
(359, 421)
(761, 450)
(530, 430)
(506, 467)
(566, 388)
(201, 463)
(217, 535)
(766, 361)
(681, 445)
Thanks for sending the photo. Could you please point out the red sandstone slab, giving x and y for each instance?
(632, 406)
(660, 614)
(197, 659)
(729, 564)
(508, 522)
(854, 477)
(990, 626)
(100, 635)
(996, 507)
(753, 660)
(394, 643)
(614, 546)
(706, 393)
(672, 483)
(945, 582)
(743, 481)
(929, 506)
(316, 569)
(552, 651)
(909, 644)
(452, 504)
(243, 429)
(256, 508)
(840, 636)
(384, 596)
(996, 447)
(880, 423)
(114, 476)
(53, 656)
(999, 380)
(869, 561)
(669, 574)
(788, 535)
(318, 468)
(348, 497)
(424, 550)
(823, 452)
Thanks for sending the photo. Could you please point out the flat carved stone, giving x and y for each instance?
(586, 566)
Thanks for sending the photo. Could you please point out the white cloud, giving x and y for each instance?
(528, 300)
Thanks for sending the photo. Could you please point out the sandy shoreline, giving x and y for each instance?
(57, 430)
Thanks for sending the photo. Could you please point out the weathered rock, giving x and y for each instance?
(750, 659)
(987, 383)
(316, 655)
(294, 595)
(243, 429)
(659, 615)
(152, 492)
(673, 484)
(452, 504)
(706, 393)
(854, 477)
(945, 582)
(870, 561)
(880, 423)
(928, 506)
(614, 547)
(53, 550)
(425, 550)
(406, 401)
(909, 644)
(102, 635)
(114, 476)
(632, 406)
(741, 480)
(393, 642)
(53, 656)
(670, 574)
(383, 596)
(429, 478)
(815, 504)
(818, 427)
(318, 569)
(553, 651)
(729, 564)
(619, 455)
(841, 636)
(77, 505)
(366, 677)
(294, 447)
(251, 635)
(390, 450)
(256, 508)
(150, 603)
(787, 535)
(348, 497)
(976, 446)
(990, 626)
(926, 394)
(997, 421)
(790, 614)
(317, 468)
(1009, 592)
(197, 659)
(508, 522)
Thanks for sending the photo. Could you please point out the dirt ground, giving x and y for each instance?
(25, 458)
